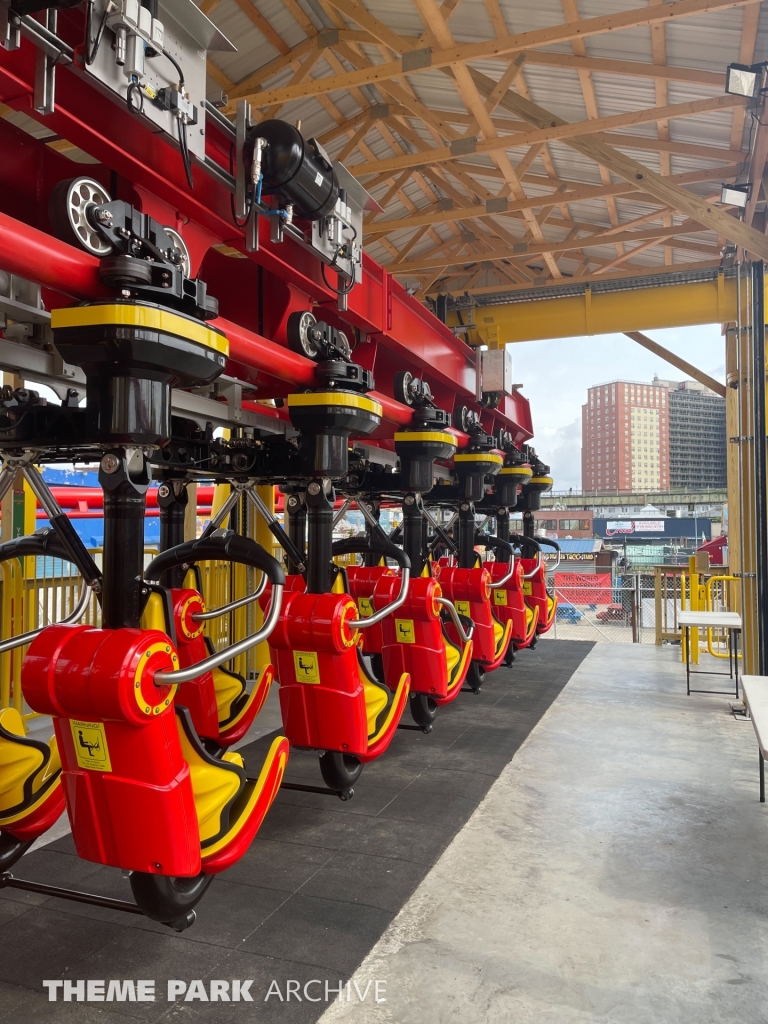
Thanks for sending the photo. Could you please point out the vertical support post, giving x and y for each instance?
(414, 529)
(502, 532)
(172, 501)
(124, 481)
(319, 538)
(762, 776)
(761, 479)
(45, 72)
(466, 533)
(296, 527)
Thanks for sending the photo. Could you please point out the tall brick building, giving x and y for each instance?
(667, 435)
(625, 438)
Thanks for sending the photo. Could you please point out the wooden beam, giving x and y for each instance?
(524, 250)
(625, 167)
(577, 193)
(427, 58)
(261, 23)
(677, 361)
(630, 68)
(555, 129)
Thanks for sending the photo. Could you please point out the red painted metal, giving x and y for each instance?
(470, 590)
(413, 641)
(404, 334)
(323, 696)
(509, 603)
(536, 593)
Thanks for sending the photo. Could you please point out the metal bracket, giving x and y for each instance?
(10, 31)
(45, 71)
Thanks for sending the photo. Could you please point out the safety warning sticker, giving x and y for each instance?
(306, 666)
(365, 605)
(404, 631)
(462, 607)
(499, 597)
(527, 587)
(91, 748)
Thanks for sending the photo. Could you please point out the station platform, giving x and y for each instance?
(615, 871)
(579, 843)
(319, 886)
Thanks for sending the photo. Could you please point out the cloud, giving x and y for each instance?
(561, 448)
(556, 375)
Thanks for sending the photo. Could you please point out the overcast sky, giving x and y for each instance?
(556, 375)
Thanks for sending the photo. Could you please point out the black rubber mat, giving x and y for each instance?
(317, 888)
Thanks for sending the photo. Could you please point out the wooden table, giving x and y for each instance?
(711, 620)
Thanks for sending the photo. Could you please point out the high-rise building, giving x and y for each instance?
(667, 435)
(697, 440)
(625, 438)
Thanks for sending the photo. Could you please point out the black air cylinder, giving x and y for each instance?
(295, 169)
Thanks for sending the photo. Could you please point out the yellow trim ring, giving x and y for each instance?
(483, 457)
(127, 314)
(516, 470)
(155, 648)
(426, 435)
(541, 480)
(194, 599)
(342, 398)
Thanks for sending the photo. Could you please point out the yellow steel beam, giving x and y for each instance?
(642, 308)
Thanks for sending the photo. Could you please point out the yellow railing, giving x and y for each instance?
(721, 595)
(678, 589)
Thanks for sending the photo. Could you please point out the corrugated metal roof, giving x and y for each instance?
(706, 42)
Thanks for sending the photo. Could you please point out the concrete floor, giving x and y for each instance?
(615, 872)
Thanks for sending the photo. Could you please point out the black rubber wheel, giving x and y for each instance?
(68, 210)
(402, 387)
(12, 849)
(339, 771)
(299, 324)
(461, 417)
(475, 676)
(423, 710)
(169, 900)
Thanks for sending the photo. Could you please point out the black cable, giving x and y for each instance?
(336, 291)
(92, 45)
(185, 152)
(176, 64)
(139, 108)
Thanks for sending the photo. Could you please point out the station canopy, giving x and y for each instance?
(514, 145)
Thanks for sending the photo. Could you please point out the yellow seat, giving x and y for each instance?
(28, 768)
(377, 697)
(228, 804)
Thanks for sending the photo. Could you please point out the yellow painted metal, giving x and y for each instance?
(261, 533)
(721, 595)
(634, 309)
(149, 317)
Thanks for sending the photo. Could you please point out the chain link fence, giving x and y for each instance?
(604, 608)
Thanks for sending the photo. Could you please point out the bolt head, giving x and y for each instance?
(163, 491)
(110, 463)
(314, 488)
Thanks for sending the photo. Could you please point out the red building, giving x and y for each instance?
(625, 438)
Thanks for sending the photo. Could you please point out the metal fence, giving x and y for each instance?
(604, 608)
